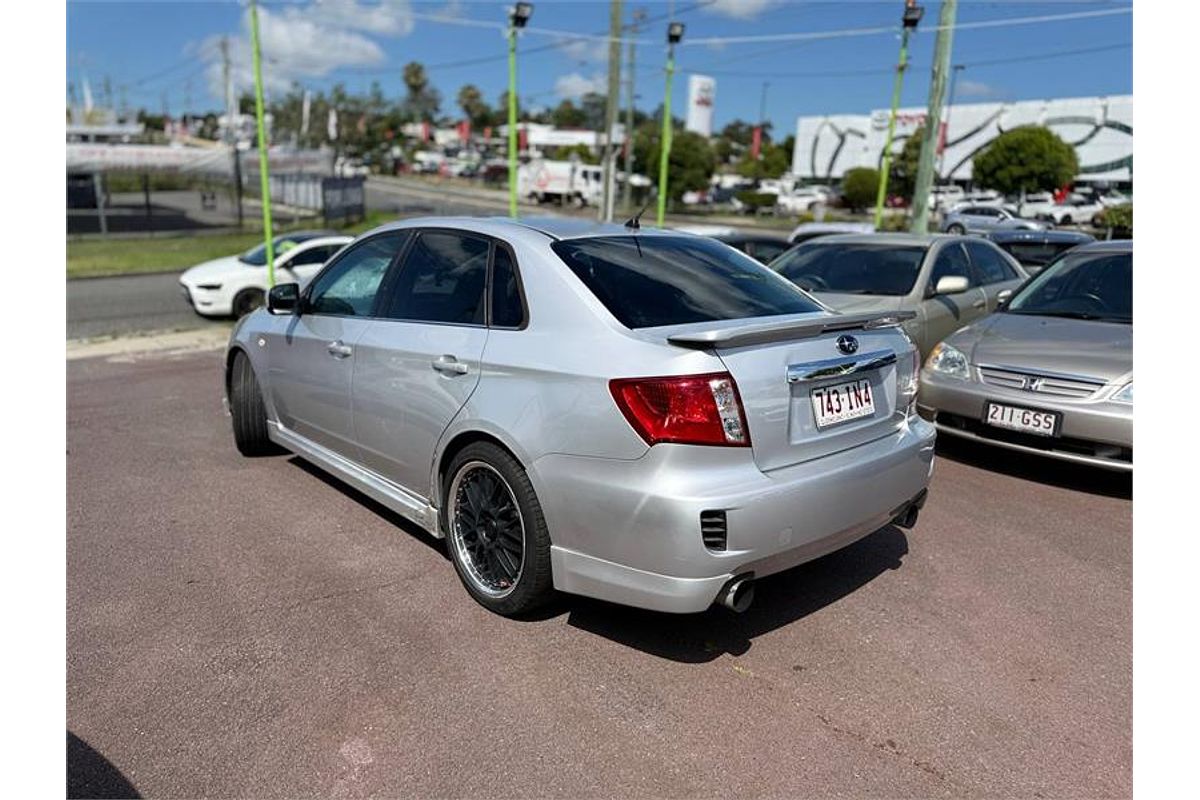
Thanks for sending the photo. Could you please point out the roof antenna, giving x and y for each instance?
(634, 223)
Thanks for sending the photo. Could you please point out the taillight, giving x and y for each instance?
(684, 409)
(908, 382)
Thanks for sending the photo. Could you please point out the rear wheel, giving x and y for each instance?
(249, 413)
(246, 301)
(495, 531)
(956, 228)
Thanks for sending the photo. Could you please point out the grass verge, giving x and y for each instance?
(93, 258)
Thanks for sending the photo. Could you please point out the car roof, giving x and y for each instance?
(1106, 246)
(1038, 236)
(912, 239)
(304, 235)
(556, 228)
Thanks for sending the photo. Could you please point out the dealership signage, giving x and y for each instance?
(702, 92)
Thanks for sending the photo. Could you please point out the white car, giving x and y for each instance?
(236, 285)
(802, 199)
(1075, 210)
(943, 197)
(1036, 205)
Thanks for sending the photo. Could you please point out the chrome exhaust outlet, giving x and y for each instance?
(738, 594)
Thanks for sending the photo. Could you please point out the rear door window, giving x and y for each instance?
(442, 280)
(647, 281)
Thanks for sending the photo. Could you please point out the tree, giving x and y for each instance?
(859, 187)
(690, 165)
(476, 109)
(1026, 159)
(567, 115)
(423, 100)
(902, 178)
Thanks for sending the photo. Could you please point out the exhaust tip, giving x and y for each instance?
(738, 594)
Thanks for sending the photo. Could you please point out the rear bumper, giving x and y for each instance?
(1096, 433)
(629, 531)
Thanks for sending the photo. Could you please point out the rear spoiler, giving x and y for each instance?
(782, 330)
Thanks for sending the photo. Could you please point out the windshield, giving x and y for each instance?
(852, 268)
(649, 281)
(1093, 285)
(257, 256)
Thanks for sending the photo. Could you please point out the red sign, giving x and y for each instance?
(755, 141)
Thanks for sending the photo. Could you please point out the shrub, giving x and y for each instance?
(859, 187)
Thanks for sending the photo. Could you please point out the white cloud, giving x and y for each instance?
(740, 9)
(969, 88)
(309, 41)
(585, 51)
(574, 86)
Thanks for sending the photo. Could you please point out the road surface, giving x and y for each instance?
(253, 628)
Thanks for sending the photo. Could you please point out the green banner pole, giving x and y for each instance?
(262, 144)
(665, 156)
(512, 121)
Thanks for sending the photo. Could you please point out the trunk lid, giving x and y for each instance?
(778, 363)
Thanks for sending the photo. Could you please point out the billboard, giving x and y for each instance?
(702, 91)
(1100, 129)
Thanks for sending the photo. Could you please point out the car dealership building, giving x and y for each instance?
(1100, 128)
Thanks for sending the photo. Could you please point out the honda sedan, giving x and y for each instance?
(646, 417)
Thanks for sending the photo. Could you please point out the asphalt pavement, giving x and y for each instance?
(130, 304)
(251, 627)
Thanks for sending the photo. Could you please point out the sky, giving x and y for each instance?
(169, 52)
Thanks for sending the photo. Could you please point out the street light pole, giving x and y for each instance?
(912, 15)
(674, 35)
(933, 117)
(264, 178)
(518, 15)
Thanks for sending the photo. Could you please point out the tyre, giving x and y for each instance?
(956, 228)
(1066, 220)
(246, 301)
(495, 531)
(248, 412)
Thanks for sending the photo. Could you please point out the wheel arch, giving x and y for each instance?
(455, 443)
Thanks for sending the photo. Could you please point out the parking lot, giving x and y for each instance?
(254, 628)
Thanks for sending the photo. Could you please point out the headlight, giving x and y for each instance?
(949, 361)
(1125, 395)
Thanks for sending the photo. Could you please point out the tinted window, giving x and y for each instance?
(442, 280)
(348, 287)
(951, 261)
(507, 311)
(650, 280)
(990, 263)
(257, 256)
(852, 268)
(1081, 285)
(767, 252)
(314, 255)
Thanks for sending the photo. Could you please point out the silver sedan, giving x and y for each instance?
(646, 417)
(1052, 374)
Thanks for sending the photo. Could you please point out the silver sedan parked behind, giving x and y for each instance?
(981, 219)
(647, 417)
(946, 281)
(1052, 374)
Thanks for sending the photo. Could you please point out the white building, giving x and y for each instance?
(1100, 128)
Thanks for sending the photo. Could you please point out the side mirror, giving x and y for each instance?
(284, 298)
(947, 284)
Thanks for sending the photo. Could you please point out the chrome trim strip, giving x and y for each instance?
(839, 367)
(1060, 455)
(397, 498)
(1098, 382)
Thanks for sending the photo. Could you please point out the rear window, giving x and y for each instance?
(845, 268)
(649, 281)
(1037, 254)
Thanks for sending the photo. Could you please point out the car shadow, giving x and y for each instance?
(780, 600)
(90, 774)
(1063, 474)
(413, 530)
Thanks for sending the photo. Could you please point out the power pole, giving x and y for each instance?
(933, 117)
(627, 190)
(949, 107)
(912, 16)
(610, 111)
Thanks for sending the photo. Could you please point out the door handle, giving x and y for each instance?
(339, 350)
(979, 304)
(449, 365)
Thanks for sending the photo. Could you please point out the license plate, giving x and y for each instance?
(842, 402)
(1025, 420)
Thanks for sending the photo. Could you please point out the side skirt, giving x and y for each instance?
(412, 507)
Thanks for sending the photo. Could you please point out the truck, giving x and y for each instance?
(562, 182)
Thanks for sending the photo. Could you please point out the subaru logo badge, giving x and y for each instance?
(847, 344)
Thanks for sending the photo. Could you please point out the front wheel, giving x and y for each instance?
(495, 531)
(956, 228)
(246, 301)
(248, 411)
